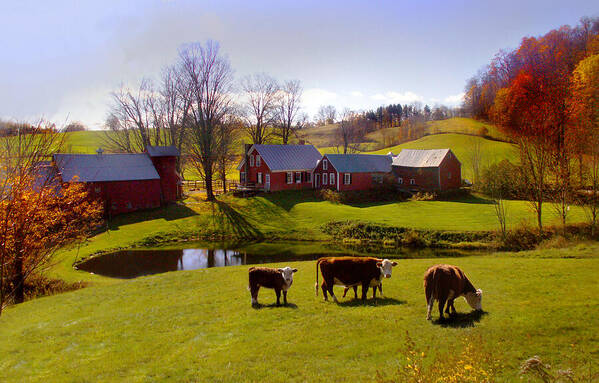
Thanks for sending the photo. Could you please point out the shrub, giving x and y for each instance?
(331, 196)
(423, 196)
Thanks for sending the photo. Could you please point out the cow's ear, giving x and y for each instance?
(294, 270)
(280, 270)
(394, 264)
(379, 264)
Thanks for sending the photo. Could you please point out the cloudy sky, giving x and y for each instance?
(60, 59)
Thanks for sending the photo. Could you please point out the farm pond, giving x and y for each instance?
(133, 263)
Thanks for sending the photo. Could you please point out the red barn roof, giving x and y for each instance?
(280, 158)
(105, 167)
(415, 158)
(360, 163)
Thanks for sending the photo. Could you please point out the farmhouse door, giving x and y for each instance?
(316, 180)
(267, 182)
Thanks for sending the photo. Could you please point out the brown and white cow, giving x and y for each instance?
(445, 283)
(277, 279)
(351, 271)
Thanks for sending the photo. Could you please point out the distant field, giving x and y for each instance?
(462, 146)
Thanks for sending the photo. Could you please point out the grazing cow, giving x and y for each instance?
(277, 279)
(446, 283)
(351, 271)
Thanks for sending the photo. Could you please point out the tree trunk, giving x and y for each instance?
(208, 182)
(19, 279)
(539, 217)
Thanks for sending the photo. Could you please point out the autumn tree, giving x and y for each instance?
(38, 214)
(209, 77)
(261, 98)
(327, 114)
(584, 123)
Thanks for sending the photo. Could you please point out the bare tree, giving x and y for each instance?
(262, 96)
(208, 76)
(327, 114)
(135, 119)
(347, 132)
(288, 108)
(226, 155)
(535, 157)
(176, 100)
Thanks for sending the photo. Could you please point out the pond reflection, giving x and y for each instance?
(128, 264)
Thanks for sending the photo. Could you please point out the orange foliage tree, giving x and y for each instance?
(38, 214)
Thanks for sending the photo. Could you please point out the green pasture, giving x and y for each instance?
(199, 325)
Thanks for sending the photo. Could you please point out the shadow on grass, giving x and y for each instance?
(372, 302)
(274, 306)
(228, 220)
(170, 212)
(461, 320)
(288, 199)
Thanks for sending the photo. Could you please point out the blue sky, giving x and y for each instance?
(60, 59)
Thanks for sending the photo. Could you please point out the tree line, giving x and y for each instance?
(545, 95)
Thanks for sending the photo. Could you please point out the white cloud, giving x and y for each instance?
(314, 98)
(397, 97)
(357, 93)
(454, 99)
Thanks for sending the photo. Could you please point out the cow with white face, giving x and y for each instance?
(277, 279)
(445, 283)
(352, 271)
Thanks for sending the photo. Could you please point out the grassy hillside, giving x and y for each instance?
(462, 145)
(199, 326)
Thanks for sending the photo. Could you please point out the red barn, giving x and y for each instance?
(278, 167)
(164, 159)
(351, 171)
(124, 182)
(427, 170)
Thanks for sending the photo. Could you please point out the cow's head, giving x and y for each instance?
(287, 273)
(385, 267)
(475, 299)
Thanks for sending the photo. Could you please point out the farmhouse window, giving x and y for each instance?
(449, 175)
(400, 180)
(347, 178)
(332, 178)
(298, 177)
(325, 165)
(259, 178)
(242, 177)
(325, 179)
(289, 178)
(412, 181)
(308, 177)
(251, 161)
(377, 178)
(258, 161)
(98, 190)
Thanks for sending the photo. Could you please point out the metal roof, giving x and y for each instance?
(416, 158)
(162, 151)
(360, 163)
(287, 157)
(105, 167)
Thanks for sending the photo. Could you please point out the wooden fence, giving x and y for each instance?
(217, 185)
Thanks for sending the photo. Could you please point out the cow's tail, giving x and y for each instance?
(316, 284)
(429, 283)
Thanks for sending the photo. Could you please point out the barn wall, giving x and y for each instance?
(426, 179)
(331, 169)
(127, 196)
(451, 176)
(169, 179)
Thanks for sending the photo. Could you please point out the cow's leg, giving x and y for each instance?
(345, 289)
(323, 286)
(429, 304)
(381, 289)
(442, 300)
(285, 297)
(365, 287)
(450, 307)
(254, 292)
(278, 292)
(355, 292)
(374, 292)
(330, 283)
